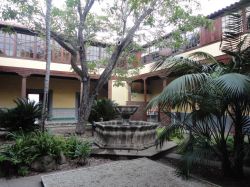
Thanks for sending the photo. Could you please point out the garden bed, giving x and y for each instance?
(212, 174)
(72, 164)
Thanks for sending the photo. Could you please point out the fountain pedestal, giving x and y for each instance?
(125, 134)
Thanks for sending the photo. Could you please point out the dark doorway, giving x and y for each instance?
(37, 96)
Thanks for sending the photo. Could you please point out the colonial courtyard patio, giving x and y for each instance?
(124, 93)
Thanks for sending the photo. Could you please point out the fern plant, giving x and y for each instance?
(22, 117)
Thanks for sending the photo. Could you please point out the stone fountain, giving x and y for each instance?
(125, 134)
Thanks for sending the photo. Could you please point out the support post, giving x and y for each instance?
(24, 84)
(145, 89)
(129, 90)
(110, 89)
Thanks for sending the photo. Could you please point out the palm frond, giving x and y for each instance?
(166, 133)
(233, 85)
(180, 90)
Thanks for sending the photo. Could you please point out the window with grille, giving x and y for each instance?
(104, 54)
(93, 53)
(1, 43)
(7, 44)
(57, 52)
(40, 49)
(25, 45)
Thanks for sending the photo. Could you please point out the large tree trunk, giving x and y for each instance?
(84, 113)
(48, 62)
(88, 97)
(85, 107)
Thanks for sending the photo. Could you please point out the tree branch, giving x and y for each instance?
(119, 49)
(70, 48)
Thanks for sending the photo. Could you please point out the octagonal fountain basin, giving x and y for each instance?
(137, 135)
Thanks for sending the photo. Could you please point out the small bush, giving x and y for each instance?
(82, 152)
(17, 159)
(14, 158)
(103, 108)
(23, 116)
(44, 143)
(77, 149)
(71, 145)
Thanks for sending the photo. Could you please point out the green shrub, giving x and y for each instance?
(82, 152)
(77, 149)
(71, 145)
(44, 143)
(16, 159)
(103, 108)
(23, 116)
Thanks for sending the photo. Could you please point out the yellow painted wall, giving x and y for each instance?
(120, 94)
(10, 89)
(64, 90)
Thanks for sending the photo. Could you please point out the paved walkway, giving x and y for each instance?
(132, 173)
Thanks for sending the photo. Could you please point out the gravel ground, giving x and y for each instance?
(133, 173)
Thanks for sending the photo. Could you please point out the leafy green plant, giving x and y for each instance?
(71, 145)
(82, 152)
(77, 149)
(44, 143)
(103, 108)
(23, 116)
(16, 159)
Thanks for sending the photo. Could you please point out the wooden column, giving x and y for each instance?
(164, 84)
(110, 89)
(24, 84)
(145, 89)
(129, 90)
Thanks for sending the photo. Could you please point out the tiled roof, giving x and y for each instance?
(229, 8)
